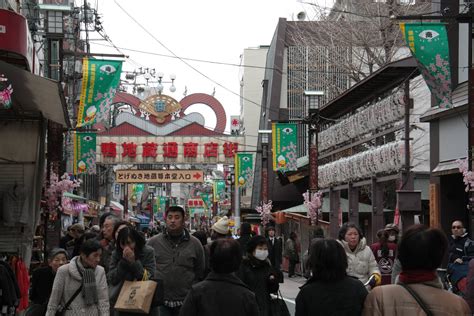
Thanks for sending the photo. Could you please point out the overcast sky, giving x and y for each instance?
(211, 30)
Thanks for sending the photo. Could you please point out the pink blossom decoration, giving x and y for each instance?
(265, 211)
(56, 188)
(468, 176)
(314, 205)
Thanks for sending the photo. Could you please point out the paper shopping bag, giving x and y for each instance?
(136, 297)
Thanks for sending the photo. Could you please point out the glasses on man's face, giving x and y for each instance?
(456, 227)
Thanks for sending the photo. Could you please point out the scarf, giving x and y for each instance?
(416, 276)
(89, 286)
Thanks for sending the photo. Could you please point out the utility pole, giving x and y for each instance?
(470, 114)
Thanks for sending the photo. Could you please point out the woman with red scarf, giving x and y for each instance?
(418, 288)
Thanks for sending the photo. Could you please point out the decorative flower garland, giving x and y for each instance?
(383, 159)
(468, 176)
(386, 111)
(265, 211)
(313, 205)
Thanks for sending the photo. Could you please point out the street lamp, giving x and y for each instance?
(313, 100)
(160, 87)
(264, 138)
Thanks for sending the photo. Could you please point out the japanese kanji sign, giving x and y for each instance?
(168, 149)
(159, 176)
(100, 79)
(284, 146)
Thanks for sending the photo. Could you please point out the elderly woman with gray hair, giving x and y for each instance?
(80, 287)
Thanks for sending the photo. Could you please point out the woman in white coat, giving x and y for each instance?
(84, 273)
(360, 259)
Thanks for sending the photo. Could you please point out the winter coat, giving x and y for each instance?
(121, 270)
(291, 250)
(178, 265)
(68, 279)
(11, 295)
(220, 294)
(256, 275)
(108, 248)
(340, 298)
(42, 281)
(361, 262)
(456, 247)
(394, 300)
(385, 262)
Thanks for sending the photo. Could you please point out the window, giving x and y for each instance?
(55, 22)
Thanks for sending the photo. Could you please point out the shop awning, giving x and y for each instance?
(73, 196)
(445, 168)
(33, 94)
(116, 206)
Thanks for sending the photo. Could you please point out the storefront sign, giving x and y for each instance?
(6, 91)
(167, 149)
(159, 176)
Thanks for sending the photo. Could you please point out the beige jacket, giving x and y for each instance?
(67, 281)
(394, 300)
(361, 262)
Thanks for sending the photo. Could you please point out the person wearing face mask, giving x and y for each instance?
(258, 274)
(385, 252)
(360, 259)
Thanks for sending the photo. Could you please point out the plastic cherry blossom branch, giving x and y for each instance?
(468, 176)
(57, 187)
(265, 211)
(313, 205)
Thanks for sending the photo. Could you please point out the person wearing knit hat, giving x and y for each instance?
(220, 229)
(42, 281)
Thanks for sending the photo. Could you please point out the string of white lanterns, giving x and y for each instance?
(384, 159)
(384, 112)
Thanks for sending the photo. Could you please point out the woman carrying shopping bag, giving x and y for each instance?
(131, 260)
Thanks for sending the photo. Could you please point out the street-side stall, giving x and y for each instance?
(33, 101)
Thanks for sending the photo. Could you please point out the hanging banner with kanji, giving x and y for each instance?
(284, 144)
(219, 190)
(243, 169)
(84, 153)
(100, 79)
(429, 45)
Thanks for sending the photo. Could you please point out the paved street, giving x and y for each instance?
(289, 289)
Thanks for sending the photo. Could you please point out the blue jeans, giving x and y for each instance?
(169, 311)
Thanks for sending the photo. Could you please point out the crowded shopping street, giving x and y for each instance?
(247, 158)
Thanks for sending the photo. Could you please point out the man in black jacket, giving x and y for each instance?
(457, 242)
(221, 293)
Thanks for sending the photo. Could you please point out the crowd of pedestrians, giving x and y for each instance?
(216, 274)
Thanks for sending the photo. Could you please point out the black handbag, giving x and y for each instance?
(278, 306)
(62, 309)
